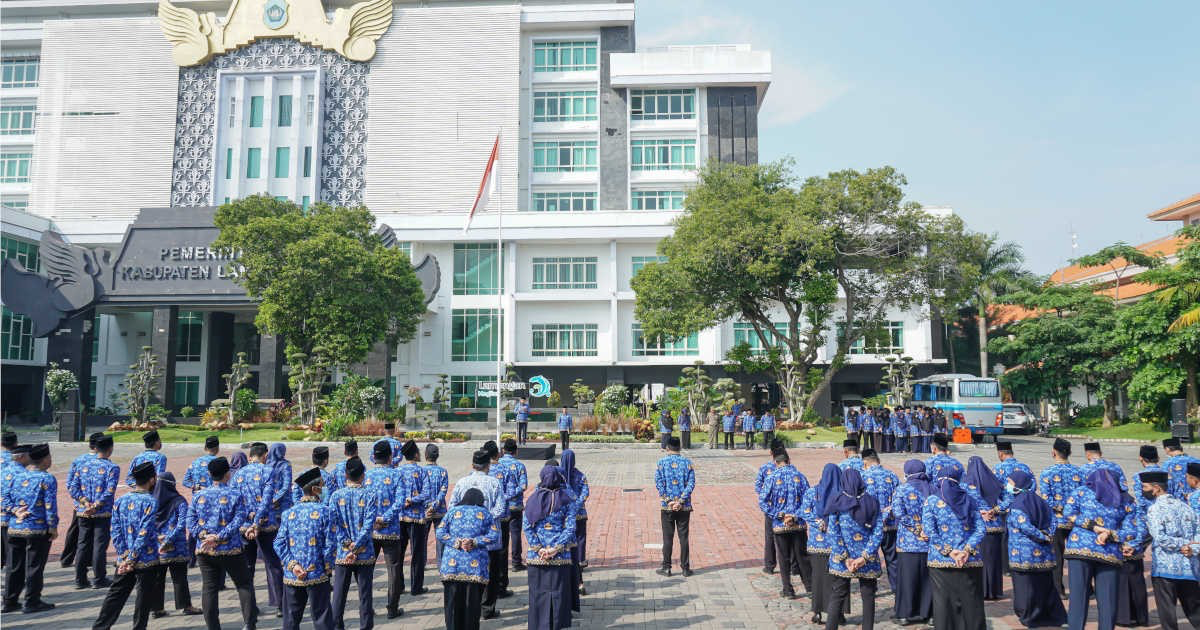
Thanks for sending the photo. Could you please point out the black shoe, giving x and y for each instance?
(419, 591)
(688, 573)
(192, 610)
(36, 607)
(663, 572)
(787, 594)
(10, 607)
(583, 565)
(278, 613)
(159, 614)
(491, 613)
(504, 594)
(392, 614)
(520, 567)
(102, 583)
(815, 618)
(769, 570)
(79, 586)
(582, 590)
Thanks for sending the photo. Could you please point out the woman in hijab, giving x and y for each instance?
(1100, 513)
(236, 461)
(985, 487)
(954, 526)
(577, 483)
(549, 524)
(466, 532)
(814, 511)
(914, 599)
(281, 472)
(1031, 555)
(855, 523)
(173, 554)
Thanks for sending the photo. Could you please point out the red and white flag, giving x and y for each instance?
(487, 186)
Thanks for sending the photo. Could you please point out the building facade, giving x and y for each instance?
(126, 108)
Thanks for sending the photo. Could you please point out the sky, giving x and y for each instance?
(1033, 120)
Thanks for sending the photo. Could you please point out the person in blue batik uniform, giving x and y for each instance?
(307, 546)
(918, 439)
(855, 522)
(1133, 600)
(497, 587)
(767, 423)
(675, 479)
(516, 480)
(521, 415)
(215, 518)
(881, 483)
(1056, 485)
(852, 457)
(17, 458)
(850, 423)
(760, 481)
(666, 424)
(151, 454)
(685, 428)
(549, 526)
(1175, 531)
(981, 483)
(749, 427)
(941, 462)
(385, 482)
(728, 426)
(780, 498)
(258, 483)
(866, 428)
(439, 484)
(495, 502)
(1009, 462)
(338, 480)
(93, 487)
(196, 477)
(577, 483)
(466, 532)
(914, 599)
(135, 539)
(1030, 523)
(565, 424)
(900, 431)
(952, 520)
(412, 497)
(320, 459)
(1099, 512)
(31, 505)
(820, 545)
(1095, 459)
(1193, 479)
(71, 541)
(1148, 457)
(170, 519)
(1176, 467)
(354, 510)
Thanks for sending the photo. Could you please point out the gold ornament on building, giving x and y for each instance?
(196, 37)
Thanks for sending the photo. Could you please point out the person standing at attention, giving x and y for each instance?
(675, 479)
(1057, 484)
(354, 511)
(522, 417)
(767, 424)
(136, 544)
(151, 454)
(94, 488)
(727, 428)
(780, 499)
(565, 424)
(307, 546)
(1175, 532)
(685, 428)
(31, 505)
(215, 518)
(666, 424)
(496, 505)
(466, 533)
(439, 484)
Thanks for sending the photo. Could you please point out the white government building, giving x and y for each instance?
(113, 106)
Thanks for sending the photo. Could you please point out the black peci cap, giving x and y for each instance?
(93, 437)
(1193, 469)
(869, 452)
(410, 450)
(1148, 452)
(481, 458)
(104, 442)
(143, 472)
(212, 441)
(491, 448)
(382, 449)
(308, 477)
(320, 455)
(1004, 447)
(1172, 443)
(351, 447)
(355, 468)
(39, 452)
(218, 467)
(941, 442)
(1153, 476)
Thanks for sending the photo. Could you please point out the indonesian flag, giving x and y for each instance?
(487, 187)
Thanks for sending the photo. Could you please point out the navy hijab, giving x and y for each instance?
(829, 488)
(915, 475)
(953, 494)
(1107, 492)
(1029, 502)
(549, 495)
(167, 497)
(984, 480)
(567, 463)
(854, 499)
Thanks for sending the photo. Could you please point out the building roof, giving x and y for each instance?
(1165, 247)
(1177, 210)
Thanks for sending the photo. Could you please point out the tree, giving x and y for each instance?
(322, 277)
(238, 374)
(700, 395)
(1179, 295)
(139, 385)
(997, 272)
(1120, 258)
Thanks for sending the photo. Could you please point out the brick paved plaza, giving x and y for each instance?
(728, 590)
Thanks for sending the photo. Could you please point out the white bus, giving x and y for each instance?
(968, 401)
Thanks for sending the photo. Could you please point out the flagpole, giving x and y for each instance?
(501, 320)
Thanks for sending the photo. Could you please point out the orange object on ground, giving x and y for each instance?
(962, 436)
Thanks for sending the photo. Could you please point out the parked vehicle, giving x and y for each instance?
(968, 401)
(1019, 418)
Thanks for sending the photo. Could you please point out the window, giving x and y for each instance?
(285, 110)
(91, 397)
(662, 104)
(682, 347)
(564, 340)
(642, 261)
(304, 202)
(96, 339)
(310, 109)
(15, 204)
(283, 158)
(16, 119)
(564, 202)
(565, 156)
(887, 338)
(187, 390)
(468, 387)
(16, 337)
(308, 161)
(658, 199)
(23, 252)
(228, 165)
(189, 333)
(663, 155)
(256, 111)
(564, 56)
(14, 167)
(564, 273)
(281, 198)
(979, 389)
(253, 157)
(475, 334)
(476, 269)
(232, 112)
(743, 332)
(564, 106)
(406, 247)
(20, 72)
(246, 339)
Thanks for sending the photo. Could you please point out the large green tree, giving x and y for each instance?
(323, 278)
(999, 271)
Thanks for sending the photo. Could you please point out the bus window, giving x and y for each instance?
(944, 393)
(979, 389)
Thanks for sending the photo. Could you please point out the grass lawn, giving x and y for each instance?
(1131, 431)
(797, 437)
(229, 436)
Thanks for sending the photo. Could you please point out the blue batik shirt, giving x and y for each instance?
(73, 471)
(385, 482)
(257, 485)
(1029, 548)
(337, 481)
(477, 524)
(946, 533)
(818, 536)
(940, 466)
(94, 484)
(196, 477)
(1057, 484)
(1172, 525)
(663, 418)
(1177, 475)
(516, 480)
(439, 484)
(134, 530)
(851, 422)
(218, 510)
(9, 471)
(326, 488)
(685, 420)
(1194, 501)
(882, 483)
(36, 490)
(580, 488)
(1113, 467)
(521, 412)
(413, 493)
(565, 422)
(764, 471)
(5, 457)
(172, 536)
(854, 461)
(866, 423)
(154, 457)
(914, 425)
(768, 422)
(727, 421)
(1005, 469)
(1086, 512)
(675, 479)
(1142, 502)
(852, 540)
(307, 539)
(899, 424)
(493, 496)
(908, 506)
(354, 511)
(782, 495)
(556, 532)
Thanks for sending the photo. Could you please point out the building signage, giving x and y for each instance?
(189, 262)
(538, 386)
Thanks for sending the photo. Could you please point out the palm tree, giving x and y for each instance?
(1000, 273)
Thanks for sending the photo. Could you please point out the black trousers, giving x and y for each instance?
(580, 539)
(1035, 601)
(1168, 591)
(686, 438)
(461, 604)
(749, 440)
(179, 582)
(914, 598)
(1060, 544)
(496, 560)
(957, 598)
(393, 559)
(315, 597)
(4, 546)
(992, 550)
(26, 568)
(889, 442)
(866, 440)
(1133, 602)
(768, 435)
(71, 542)
(677, 521)
(147, 583)
(501, 577)
(522, 432)
(92, 548)
(888, 547)
(768, 543)
(213, 570)
(663, 437)
(517, 550)
(1089, 578)
(418, 535)
(792, 550)
(363, 576)
(901, 443)
(839, 593)
(265, 543)
(565, 438)
(728, 440)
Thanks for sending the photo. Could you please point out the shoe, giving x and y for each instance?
(815, 618)
(392, 614)
(159, 614)
(36, 607)
(505, 593)
(688, 573)
(583, 565)
(10, 607)
(769, 570)
(192, 610)
(79, 586)
(786, 594)
(102, 583)
(278, 613)
(420, 591)
(663, 572)
(491, 613)
(521, 567)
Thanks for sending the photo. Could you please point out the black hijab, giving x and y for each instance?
(1029, 502)
(953, 494)
(474, 497)
(167, 496)
(915, 475)
(984, 480)
(549, 495)
(855, 500)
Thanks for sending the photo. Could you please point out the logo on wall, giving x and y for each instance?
(539, 386)
(275, 14)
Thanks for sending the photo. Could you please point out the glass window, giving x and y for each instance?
(565, 156)
(564, 340)
(308, 161)
(16, 337)
(468, 387)
(888, 338)
(658, 199)
(229, 163)
(253, 157)
(564, 106)
(283, 159)
(96, 339)
(475, 334)
(91, 397)
(256, 111)
(20, 72)
(232, 112)
(14, 167)
(16, 119)
(642, 261)
(285, 110)
(564, 56)
(979, 389)
(476, 269)
(246, 339)
(682, 347)
(187, 390)
(310, 109)
(743, 332)
(406, 247)
(574, 201)
(662, 104)
(305, 201)
(663, 155)
(189, 335)
(23, 252)
(16, 204)
(565, 273)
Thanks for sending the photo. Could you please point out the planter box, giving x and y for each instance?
(462, 415)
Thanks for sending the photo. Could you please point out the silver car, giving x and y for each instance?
(1019, 418)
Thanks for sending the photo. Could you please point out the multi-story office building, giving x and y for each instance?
(135, 108)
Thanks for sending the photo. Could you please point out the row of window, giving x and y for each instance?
(581, 105)
(17, 119)
(477, 270)
(283, 162)
(19, 72)
(14, 167)
(581, 156)
(16, 331)
(283, 110)
(585, 201)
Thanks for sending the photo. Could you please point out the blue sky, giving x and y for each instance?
(1030, 119)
